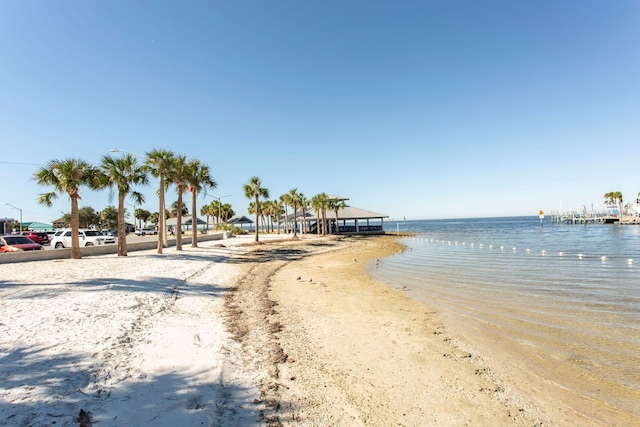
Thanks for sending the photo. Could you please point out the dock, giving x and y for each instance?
(575, 217)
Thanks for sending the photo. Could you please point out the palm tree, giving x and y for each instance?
(67, 176)
(207, 212)
(316, 204)
(618, 195)
(173, 209)
(285, 200)
(254, 189)
(226, 212)
(277, 211)
(122, 173)
(320, 203)
(109, 217)
(198, 179)
(178, 177)
(336, 205)
(612, 197)
(294, 198)
(304, 204)
(159, 162)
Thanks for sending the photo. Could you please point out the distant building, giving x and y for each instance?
(350, 220)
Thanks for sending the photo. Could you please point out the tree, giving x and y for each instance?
(304, 204)
(109, 217)
(173, 210)
(87, 217)
(277, 211)
(178, 177)
(154, 218)
(198, 180)
(612, 197)
(208, 212)
(226, 212)
(159, 162)
(320, 203)
(294, 199)
(285, 199)
(336, 205)
(142, 215)
(253, 189)
(122, 174)
(67, 176)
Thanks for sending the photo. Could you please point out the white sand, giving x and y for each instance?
(136, 340)
(294, 333)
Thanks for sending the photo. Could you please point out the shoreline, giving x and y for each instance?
(330, 345)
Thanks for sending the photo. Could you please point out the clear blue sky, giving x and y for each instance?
(416, 109)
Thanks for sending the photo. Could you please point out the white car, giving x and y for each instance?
(145, 231)
(62, 238)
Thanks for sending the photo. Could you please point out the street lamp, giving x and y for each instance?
(8, 204)
(161, 209)
(134, 216)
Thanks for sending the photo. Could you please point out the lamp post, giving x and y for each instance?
(161, 209)
(8, 204)
(134, 216)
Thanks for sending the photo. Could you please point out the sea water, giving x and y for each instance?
(561, 301)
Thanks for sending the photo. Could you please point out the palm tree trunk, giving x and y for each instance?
(295, 221)
(179, 222)
(122, 235)
(257, 216)
(194, 219)
(75, 226)
(161, 215)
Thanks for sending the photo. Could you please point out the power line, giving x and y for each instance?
(20, 163)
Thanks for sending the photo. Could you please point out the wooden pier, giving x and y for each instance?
(575, 217)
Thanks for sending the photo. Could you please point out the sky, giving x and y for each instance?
(412, 109)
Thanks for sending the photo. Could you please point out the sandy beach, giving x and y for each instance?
(234, 333)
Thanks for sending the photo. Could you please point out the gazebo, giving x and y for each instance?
(239, 220)
(350, 220)
(186, 222)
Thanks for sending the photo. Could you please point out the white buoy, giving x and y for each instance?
(528, 250)
(603, 258)
(561, 254)
(515, 249)
(543, 252)
(580, 256)
(502, 248)
(629, 261)
(490, 246)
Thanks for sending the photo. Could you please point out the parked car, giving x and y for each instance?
(145, 231)
(17, 243)
(113, 233)
(37, 236)
(62, 238)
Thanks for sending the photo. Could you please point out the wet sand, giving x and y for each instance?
(339, 348)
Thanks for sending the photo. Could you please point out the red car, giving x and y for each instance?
(37, 236)
(18, 244)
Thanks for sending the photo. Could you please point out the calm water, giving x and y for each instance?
(541, 296)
